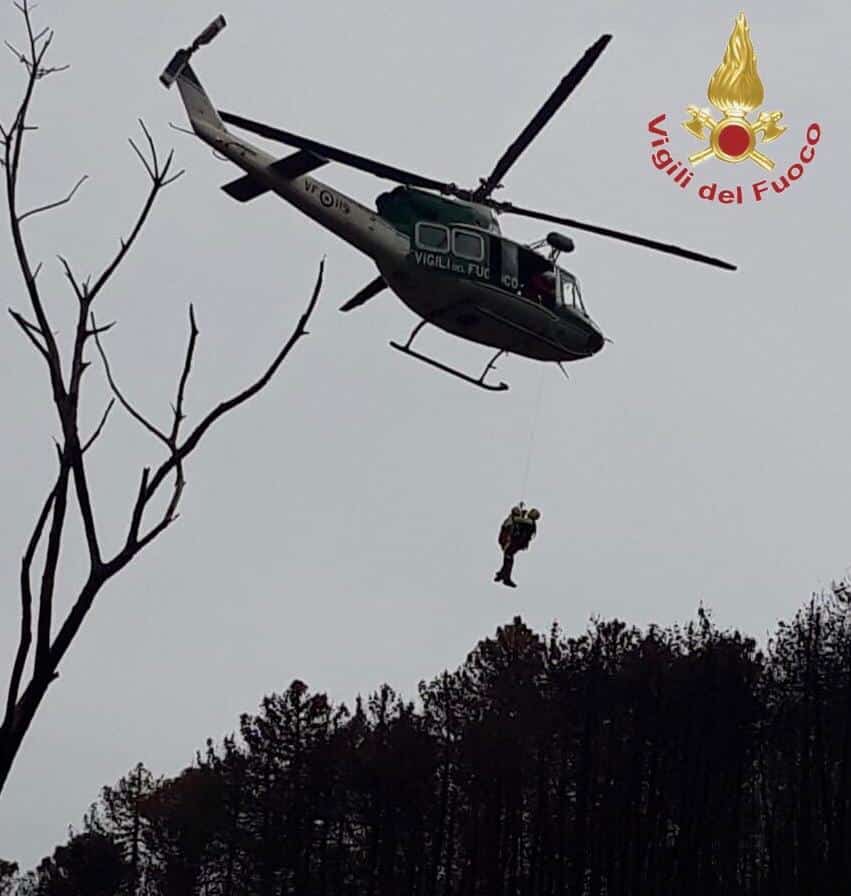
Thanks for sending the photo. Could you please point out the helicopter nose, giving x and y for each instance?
(596, 341)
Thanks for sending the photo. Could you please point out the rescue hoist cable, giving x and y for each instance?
(532, 432)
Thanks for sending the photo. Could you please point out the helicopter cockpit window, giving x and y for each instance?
(466, 244)
(570, 294)
(434, 237)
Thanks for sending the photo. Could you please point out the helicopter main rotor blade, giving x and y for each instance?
(334, 154)
(669, 248)
(566, 86)
(364, 295)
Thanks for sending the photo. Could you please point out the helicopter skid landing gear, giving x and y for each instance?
(480, 382)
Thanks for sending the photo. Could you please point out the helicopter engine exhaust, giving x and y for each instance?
(560, 243)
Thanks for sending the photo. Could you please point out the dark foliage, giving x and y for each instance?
(8, 870)
(678, 761)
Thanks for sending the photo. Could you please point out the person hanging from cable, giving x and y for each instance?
(517, 531)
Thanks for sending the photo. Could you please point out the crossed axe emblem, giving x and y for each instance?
(767, 126)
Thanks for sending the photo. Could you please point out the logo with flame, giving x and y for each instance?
(736, 90)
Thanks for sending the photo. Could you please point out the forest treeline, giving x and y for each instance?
(682, 760)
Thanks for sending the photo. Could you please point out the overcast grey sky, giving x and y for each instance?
(341, 528)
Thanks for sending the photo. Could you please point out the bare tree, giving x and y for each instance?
(158, 485)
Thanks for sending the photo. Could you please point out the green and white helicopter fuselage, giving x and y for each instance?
(438, 247)
(473, 297)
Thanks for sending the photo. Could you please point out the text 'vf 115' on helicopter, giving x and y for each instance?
(436, 245)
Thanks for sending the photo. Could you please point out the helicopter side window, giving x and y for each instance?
(468, 245)
(433, 237)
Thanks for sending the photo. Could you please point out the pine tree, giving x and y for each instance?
(90, 863)
(118, 815)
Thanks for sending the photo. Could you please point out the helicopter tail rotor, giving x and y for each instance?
(181, 58)
(202, 113)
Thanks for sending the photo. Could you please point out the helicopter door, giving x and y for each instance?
(537, 278)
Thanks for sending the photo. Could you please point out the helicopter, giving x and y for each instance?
(436, 245)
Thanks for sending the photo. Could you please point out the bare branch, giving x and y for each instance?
(99, 430)
(71, 278)
(164, 178)
(151, 146)
(255, 387)
(74, 449)
(29, 325)
(30, 331)
(170, 514)
(97, 330)
(51, 560)
(138, 508)
(25, 639)
(81, 486)
(36, 54)
(65, 201)
(170, 180)
(12, 146)
(159, 180)
(173, 465)
(16, 52)
(74, 620)
(124, 403)
(142, 159)
(54, 69)
(134, 543)
(179, 416)
(160, 527)
(197, 434)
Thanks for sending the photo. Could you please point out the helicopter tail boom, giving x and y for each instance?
(202, 113)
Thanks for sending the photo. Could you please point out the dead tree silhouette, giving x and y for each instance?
(159, 485)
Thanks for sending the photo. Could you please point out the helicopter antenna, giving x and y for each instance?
(177, 127)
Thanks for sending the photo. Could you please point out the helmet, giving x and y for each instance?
(534, 514)
(517, 510)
